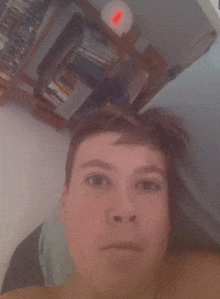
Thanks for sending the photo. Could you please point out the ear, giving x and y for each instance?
(63, 202)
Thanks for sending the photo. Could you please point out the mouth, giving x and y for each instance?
(124, 245)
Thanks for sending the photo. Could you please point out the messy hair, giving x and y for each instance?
(155, 128)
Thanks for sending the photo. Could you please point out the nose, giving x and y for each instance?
(122, 209)
(130, 218)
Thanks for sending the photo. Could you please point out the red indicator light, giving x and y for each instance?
(117, 17)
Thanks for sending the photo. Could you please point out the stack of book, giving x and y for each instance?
(58, 91)
(88, 67)
(96, 51)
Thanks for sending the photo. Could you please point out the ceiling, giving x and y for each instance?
(182, 31)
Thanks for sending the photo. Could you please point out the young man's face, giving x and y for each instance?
(117, 193)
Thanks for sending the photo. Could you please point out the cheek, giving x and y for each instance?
(82, 221)
(156, 219)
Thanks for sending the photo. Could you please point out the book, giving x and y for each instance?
(60, 93)
(103, 53)
(106, 52)
(96, 57)
(76, 99)
(67, 79)
(65, 88)
(87, 71)
(52, 98)
(92, 59)
(62, 87)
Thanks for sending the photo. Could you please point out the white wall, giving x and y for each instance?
(32, 173)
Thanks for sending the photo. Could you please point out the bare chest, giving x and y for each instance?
(184, 276)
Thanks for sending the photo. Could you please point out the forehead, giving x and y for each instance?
(102, 146)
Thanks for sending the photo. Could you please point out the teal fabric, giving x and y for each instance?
(193, 96)
(55, 260)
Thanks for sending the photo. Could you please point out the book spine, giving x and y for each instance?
(58, 91)
(103, 53)
(92, 58)
(53, 99)
(106, 52)
(65, 89)
(68, 80)
(96, 57)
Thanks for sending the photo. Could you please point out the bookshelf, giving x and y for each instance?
(60, 90)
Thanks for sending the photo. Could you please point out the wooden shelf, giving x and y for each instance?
(4, 91)
(5, 82)
(150, 61)
(49, 117)
(154, 63)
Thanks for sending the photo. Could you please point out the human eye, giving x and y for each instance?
(97, 180)
(149, 186)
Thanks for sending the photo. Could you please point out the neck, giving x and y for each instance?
(81, 289)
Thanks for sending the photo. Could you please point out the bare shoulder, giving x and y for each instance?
(193, 274)
(197, 258)
(32, 292)
(203, 264)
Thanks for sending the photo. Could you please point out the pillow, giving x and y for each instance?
(54, 257)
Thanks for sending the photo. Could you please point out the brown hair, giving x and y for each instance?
(154, 127)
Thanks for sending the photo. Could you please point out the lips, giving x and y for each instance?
(124, 245)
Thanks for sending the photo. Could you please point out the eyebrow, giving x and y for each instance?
(143, 169)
